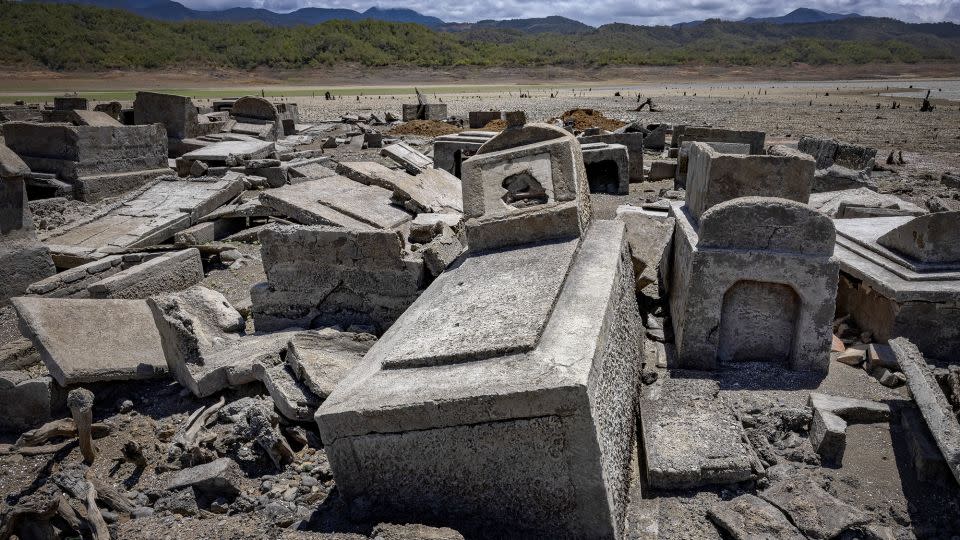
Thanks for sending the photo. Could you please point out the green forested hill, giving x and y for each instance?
(72, 37)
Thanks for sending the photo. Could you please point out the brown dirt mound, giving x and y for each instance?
(589, 118)
(425, 128)
(495, 125)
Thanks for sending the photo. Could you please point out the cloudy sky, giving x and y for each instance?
(597, 12)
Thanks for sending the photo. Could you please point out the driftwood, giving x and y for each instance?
(65, 427)
(97, 524)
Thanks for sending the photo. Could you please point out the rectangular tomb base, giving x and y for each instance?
(525, 440)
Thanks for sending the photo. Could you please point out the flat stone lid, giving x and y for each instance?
(493, 306)
(860, 236)
(219, 151)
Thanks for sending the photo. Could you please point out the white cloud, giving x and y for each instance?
(598, 12)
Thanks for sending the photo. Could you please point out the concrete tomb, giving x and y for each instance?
(260, 118)
(751, 278)
(502, 399)
(900, 276)
(325, 276)
(23, 259)
(449, 151)
(632, 141)
(179, 116)
(702, 134)
(98, 161)
(337, 201)
(683, 157)
(608, 167)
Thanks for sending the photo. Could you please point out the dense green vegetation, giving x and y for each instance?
(71, 37)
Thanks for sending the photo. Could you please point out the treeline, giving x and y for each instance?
(73, 37)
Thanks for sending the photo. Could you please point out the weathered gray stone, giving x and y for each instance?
(815, 512)
(178, 114)
(662, 169)
(525, 185)
(890, 294)
(147, 218)
(756, 281)
(702, 134)
(714, 177)
(259, 111)
(934, 407)
(838, 177)
(828, 436)
(691, 438)
(830, 152)
(932, 238)
(390, 531)
(529, 439)
(93, 118)
(649, 237)
(411, 160)
(449, 151)
(27, 402)
(337, 201)
(432, 190)
(323, 276)
(168, 273)
(99, 161)
(854, 411)
(231, 153)
(749, 517)
(683, 157)
(424, 111)
(102, 340)
(925, 457)
(441, 251)
(837, 204)
(321, 359)
(632, 141)
(220, 477)
(608, 167)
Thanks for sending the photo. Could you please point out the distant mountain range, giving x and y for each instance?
(169, 10)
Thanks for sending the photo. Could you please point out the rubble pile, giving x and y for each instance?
(219, 320)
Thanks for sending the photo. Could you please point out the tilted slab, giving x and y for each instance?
(337, 200)
(432, 190)
(222, 151)
(83, 341)
(865, 233)
(150, 217)
(496, 304)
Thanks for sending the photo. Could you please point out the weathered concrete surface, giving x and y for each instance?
(713, 177)
(756, 281)
(836, 204)
(84, 341)
(704, 134)
(527, 184)
(691, 438)
(683, 157)
(168, 273)
(404, 154)
(649, 237)
(337, 201)
(608, 167)
(99, 161)
(815, 512)
(178, 115)
(259, 111)
(936, 410)
(231, 153)
(28, 402)
(933, 238)
(449, 151)
(830, 152)
(93, 118)
(749, 517)
(322, 276)
(147, 218)
(854, 411)
(632, 141)
(321, 359)
(432, 190)
(890, 294)
(525, 444)
(828, 436)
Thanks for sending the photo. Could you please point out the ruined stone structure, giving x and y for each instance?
(98, 161)
(901, 277)
(608, 167)
(755, 139)
(449, 151)
(179, 115)
(23, 259)
(752, 277)
(502, 399)
(634, 143)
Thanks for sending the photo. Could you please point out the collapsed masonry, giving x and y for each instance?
(548, 456)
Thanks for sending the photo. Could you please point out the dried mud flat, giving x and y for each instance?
(300, 500)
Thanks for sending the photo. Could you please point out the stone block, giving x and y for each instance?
(404, 154)
(608, 167)
(543, 455)
(22, 262)
(714, 177)
(828, 436)
(634, 144)
(337, 201)
(167, 273)
(83, 341)
(449, 151)
(178, 114)
(525, 185)
(231, 153)
(220, 477)
(649, 238)
(662, 170)
(27, 402)
(756, 281)
(323, 276)
(93, 118)
(702, 134)
(683, 157)
(830, 152)
(432, 190)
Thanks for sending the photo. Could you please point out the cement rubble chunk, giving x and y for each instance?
(749, 517)
(828, 436)
(220, 477)
(321, 359)
(852, 410)
(104, 340)
(337, 201)
(817, 514)
(168, 273)
(649, 237)
(933, 404)
(432, 190)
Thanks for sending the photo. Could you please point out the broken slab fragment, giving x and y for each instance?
(854, 411)
(749, 517)
(324, 276)
(838, 204)
(338, 201)
(404, 154)
(932, 238)
(649, 237)
(432, 190)
(529, 435)
(933, 404)
(702, 134)
(830, 152)
(321, 359)
(27, 402)
(691, 438)
(167, 273)
(231, 153)
(220, 477)
(828, 436)
(83, 341)
(815, 512)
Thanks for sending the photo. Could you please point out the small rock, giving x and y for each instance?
(837, 345)
(198, 169)
(142, 512)
(852, 356)
(219, 477)
(230, 256)
(126, 406)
